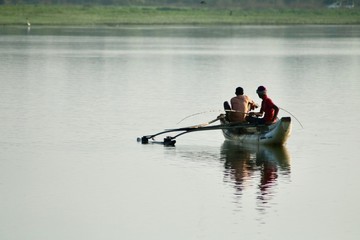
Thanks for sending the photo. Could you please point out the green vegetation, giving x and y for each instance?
(120, 15)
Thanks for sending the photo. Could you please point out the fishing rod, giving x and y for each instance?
(293, 117)
(210, 112)
(194, 114)
(230, 110)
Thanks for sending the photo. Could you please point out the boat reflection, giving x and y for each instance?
(262, 166)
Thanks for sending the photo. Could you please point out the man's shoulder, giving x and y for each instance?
(247, 97)
(269, 101)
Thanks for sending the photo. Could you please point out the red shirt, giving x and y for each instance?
(267, 106)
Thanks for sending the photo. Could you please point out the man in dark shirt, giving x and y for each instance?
(268, 109)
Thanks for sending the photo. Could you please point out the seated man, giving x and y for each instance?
(268, 109)
(240, 106)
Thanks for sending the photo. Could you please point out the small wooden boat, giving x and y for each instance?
(274, 134)
(245, 133)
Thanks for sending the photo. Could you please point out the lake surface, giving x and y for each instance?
(74, 100)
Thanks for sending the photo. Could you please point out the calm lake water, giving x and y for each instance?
(74, 100)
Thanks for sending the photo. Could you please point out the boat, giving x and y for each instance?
(274, 134)
(244, 133)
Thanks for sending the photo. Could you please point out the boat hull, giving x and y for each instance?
(275, 134)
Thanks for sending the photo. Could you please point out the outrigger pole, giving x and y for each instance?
(170, 140)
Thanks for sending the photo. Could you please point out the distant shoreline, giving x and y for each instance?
(79, 15)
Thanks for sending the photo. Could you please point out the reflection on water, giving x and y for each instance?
(73, 100)
(246, 164)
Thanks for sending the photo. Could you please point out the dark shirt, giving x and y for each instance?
(267, 106)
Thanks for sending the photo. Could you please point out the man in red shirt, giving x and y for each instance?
(268, 109)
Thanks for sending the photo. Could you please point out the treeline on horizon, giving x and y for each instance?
(192, 3)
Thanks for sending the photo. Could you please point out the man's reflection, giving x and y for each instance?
(264, 164)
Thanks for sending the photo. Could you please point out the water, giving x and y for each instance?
(74, 100)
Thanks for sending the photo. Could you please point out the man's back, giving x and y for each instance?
(241, 105)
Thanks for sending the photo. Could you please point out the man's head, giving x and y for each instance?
(261, 91)
(239, 91)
